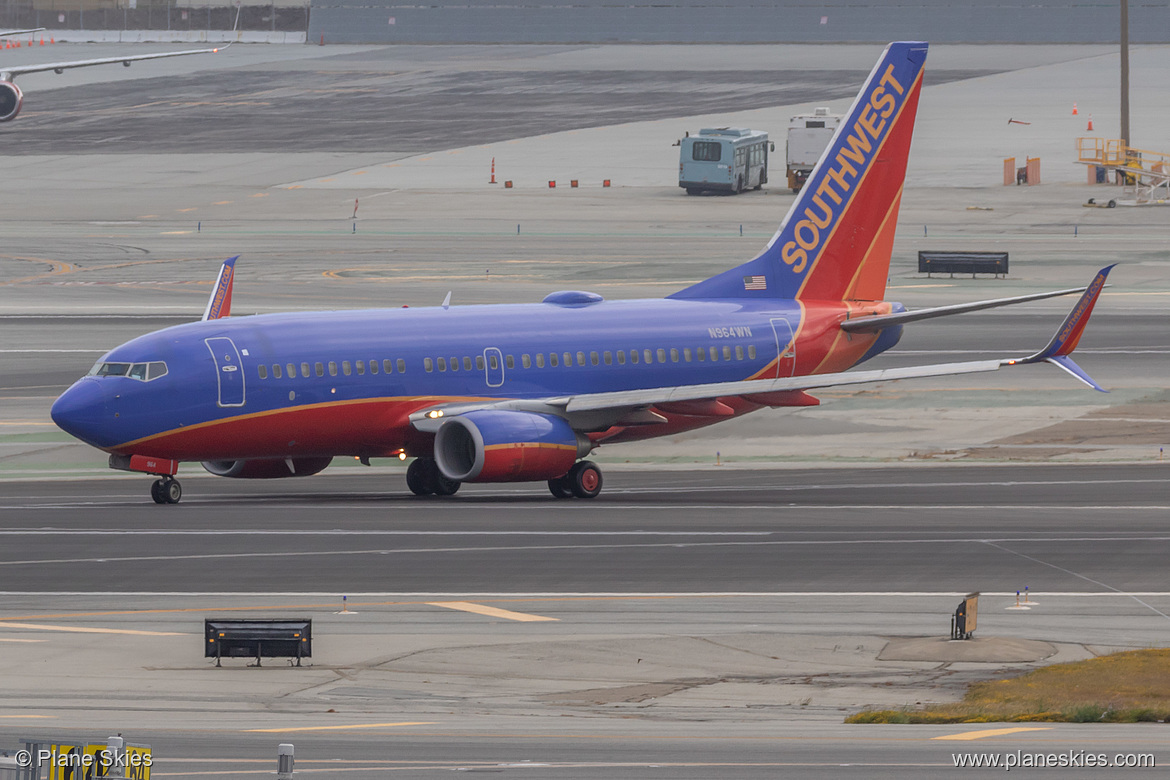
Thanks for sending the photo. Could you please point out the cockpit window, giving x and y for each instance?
(110, 369)
(143, 372)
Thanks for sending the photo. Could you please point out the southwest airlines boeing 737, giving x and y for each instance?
(524, 392)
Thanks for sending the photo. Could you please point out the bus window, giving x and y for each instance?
(707, 151)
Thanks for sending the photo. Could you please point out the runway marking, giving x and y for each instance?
(260, 195)
(480, 609)
(419, 599)
(341, 728)
(28, 717)
(88, 630)
(554, 547)
(223, 203)
(970, 735)
(38, 351)
(21, 641)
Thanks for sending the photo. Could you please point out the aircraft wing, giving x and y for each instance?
(6, 33)
(10, 72)
(590, 411)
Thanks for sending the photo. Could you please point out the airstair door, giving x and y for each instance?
(229, 372)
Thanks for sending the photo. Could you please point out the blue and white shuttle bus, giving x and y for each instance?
(723, 159)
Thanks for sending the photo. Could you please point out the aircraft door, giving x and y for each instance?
(493, 368)
(229, 371)
(785, 347)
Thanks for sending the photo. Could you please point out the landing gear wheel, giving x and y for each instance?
(560, 487)
(585, 479)
(166, 491)
(416, 478)
(441, 486)
(156, 491)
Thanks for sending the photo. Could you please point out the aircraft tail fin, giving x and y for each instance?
(220, 303)
(835, 242)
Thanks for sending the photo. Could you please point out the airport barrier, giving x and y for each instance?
(965, 617)
(257, 638)
(935, 262)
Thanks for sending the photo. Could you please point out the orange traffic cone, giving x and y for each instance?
(1075, 112)
(42, 41)
(1090, 127)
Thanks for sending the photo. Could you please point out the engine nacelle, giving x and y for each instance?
(267, 468)
(506, 446)
(11, 99)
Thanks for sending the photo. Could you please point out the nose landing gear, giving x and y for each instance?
(166, 490)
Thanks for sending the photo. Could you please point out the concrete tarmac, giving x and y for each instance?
(694, 621)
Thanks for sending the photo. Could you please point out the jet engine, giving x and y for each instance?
(11, 99)
(267, 468)
(496, 445)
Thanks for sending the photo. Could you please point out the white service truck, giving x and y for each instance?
(808, 135)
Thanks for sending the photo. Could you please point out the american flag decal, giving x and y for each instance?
(755, 283)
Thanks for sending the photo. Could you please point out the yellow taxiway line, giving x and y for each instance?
(480, 609)
(969, 735)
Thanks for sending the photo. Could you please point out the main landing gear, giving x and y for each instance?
(424, 479)
(166, 490)
(582, 481)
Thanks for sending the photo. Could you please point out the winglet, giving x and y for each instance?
(1068, 335)
(220, 303)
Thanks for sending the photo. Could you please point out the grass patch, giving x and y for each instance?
(1130, 687)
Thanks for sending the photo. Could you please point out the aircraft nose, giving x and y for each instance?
(82, 411)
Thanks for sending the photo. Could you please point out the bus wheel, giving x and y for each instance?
(692, 190)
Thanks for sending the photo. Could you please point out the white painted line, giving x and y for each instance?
(87, 630)
(525, 595)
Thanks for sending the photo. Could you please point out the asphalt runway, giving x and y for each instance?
(954, 528)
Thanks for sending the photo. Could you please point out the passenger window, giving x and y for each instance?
(454, 364)
(580, 358)
(442, 364)
(509, 361)
(346, 368)
(714, 353)
(466, 363)
(661, 355)
(494, 362)
(701, 352)
(594, 359)
(373, 366)
(634, 356)
(553, 360)
(292, 370)
(738, 352)
(673, 355)
(138, 371)
(568, 359)
(387, 366)
(687, 354)
(727, 353)
(276, 370)
(332, 368)
(751, 351)
(361, 368)
(607, 356)
(621, 353)
(305, 370)
(401, 366)
(428, 365)
(262, 370)
(540, 360)
(647, 356)
(319, 369)
(479, 362)
(526, 361)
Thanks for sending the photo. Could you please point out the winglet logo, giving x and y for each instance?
(220, 303)
(855, 149)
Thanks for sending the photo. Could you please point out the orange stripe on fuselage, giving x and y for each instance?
(360, 426)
